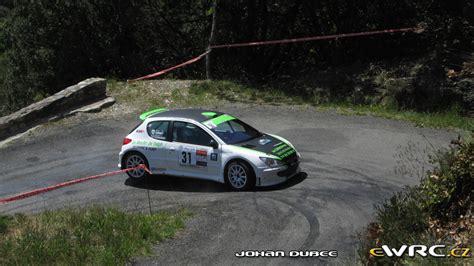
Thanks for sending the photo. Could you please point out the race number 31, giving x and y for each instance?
(185, 157)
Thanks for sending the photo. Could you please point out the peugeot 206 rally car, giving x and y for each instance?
(208, 145)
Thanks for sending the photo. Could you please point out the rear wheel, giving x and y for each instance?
(135, 159)
(239, 176)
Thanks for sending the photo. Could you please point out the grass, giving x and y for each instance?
(178, 93)
(447, 119)
(95, 235)
(234, 92)
(145, 95)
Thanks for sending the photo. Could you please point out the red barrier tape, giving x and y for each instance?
(315, 38)
(171, 68)
(65, 184)
(295, 40)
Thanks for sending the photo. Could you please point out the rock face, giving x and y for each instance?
(73, 97)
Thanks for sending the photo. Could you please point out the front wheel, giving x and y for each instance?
(239, 176)
(135, 159)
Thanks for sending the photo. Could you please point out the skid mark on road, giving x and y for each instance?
(309, 215)
(45, 164)
(39, 169)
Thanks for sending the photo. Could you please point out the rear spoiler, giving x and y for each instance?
(147, 114)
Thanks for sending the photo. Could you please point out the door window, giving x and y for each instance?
(190, 133)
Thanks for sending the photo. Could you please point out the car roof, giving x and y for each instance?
(194, 114)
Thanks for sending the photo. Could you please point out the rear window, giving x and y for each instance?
(158, 129)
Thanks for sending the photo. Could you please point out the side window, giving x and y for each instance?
(190, 133)
(158, 129)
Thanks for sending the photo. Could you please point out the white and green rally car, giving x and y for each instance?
(208, 145)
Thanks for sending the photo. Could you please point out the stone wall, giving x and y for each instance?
(83, 93)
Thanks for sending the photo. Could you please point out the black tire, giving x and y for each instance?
(234, 179)
(131, 160)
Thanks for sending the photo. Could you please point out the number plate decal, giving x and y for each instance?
(187, 156)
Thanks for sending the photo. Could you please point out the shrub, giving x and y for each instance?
(449, 186)
(418, 214)
(400, 220)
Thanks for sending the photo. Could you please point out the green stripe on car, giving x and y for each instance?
(288, 154)
(147, 114)
(282, 139)
(221, 119)
(287, 149)
(279, 148)
(212, 123)
(209, 114)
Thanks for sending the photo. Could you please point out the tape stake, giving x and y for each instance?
(35, 192)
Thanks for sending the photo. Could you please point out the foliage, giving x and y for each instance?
(4, 220)
(3, 68)
(83, 236)
(235, 92)
(438, 211)
(50, 45)
(399, 221)
(449, 187)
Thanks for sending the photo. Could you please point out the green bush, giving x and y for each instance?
(409, 217)
(401, 220)
(450, 185)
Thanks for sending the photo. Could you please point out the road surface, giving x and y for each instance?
(348, 166)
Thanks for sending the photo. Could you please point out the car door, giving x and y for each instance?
(157, 146)
(193, 152)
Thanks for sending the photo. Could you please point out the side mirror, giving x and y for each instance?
(214, 144)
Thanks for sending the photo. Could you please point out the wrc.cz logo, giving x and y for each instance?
(438, 251)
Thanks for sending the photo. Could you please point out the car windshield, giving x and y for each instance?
(235, 131)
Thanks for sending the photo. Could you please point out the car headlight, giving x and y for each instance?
(271, 162)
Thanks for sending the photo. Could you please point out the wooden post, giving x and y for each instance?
(211, 38)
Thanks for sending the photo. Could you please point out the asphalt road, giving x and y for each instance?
(348, 166)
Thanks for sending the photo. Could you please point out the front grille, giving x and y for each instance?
(292, 158)
(290, 170)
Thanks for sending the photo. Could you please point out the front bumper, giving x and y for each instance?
(274, 176)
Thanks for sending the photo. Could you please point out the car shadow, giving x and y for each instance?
(287, 184)
(183, 184)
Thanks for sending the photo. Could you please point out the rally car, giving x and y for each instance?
(208, 145)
